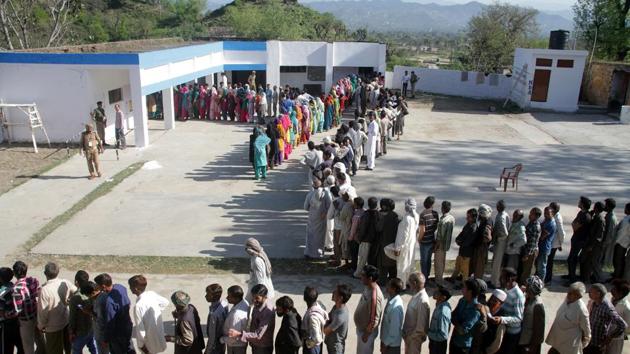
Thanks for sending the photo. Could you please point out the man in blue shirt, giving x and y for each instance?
(464, 318)
(440, 322)
(118, 327)
(393, 316)
(548, 234)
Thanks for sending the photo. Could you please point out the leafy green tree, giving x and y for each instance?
(493, 35)
(604, 26)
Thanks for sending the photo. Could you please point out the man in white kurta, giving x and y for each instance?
(373, 140)
(312, 159)
(499, 240)
(570, 332)
(404, 247)
(316, 203)
(147, 316)
(416, 323)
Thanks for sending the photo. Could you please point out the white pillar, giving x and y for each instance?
(330, 65)
(382, 58)
(273, 63)
(139, 105)
(210, 80)
(168, 104)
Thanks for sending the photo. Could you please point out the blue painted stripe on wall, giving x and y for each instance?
(70, 58)
(238, 67)
(158, 86)
(162, 57)
(245, 46)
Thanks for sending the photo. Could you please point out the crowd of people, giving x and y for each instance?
(97, 315)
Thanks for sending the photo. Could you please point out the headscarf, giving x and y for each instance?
(253, 248)
(330, 181)
(340, 166)
(410, 204)
(485, 211)
(535, 285)
(180, 298)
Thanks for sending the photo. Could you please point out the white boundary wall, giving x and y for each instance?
(449, 82)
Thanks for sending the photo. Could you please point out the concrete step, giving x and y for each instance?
(591, 109)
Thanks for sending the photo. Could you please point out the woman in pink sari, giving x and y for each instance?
(286, 125)
(202, 102)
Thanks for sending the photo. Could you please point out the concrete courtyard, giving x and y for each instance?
(202, 201)
(196, 196)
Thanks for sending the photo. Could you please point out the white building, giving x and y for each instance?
(548, 78)
(66, 86)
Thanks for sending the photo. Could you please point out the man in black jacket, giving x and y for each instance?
(288, 340)
(368, 233)
(387, 229)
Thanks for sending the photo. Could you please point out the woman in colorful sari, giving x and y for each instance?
(320, 114)
(336, 111)
(231, 105)
(289, 135)
(329, 113)
(305, 127)
(294, 128)
(314, 117)
(215, 102)
(251, 105)
(243, 92)
(202, 102)
(260, 156)
(282, 137)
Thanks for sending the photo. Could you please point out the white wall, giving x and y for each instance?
(302, 53)
(357, 54)
(244, 57)
(64, 94)
(101, 82)
(564, 83)
(448, 82)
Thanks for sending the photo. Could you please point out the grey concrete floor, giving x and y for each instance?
(204, 197)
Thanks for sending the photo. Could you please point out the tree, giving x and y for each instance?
(35, 23)
(602, 26)
(494, 34)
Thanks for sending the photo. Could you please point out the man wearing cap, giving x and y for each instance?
(403, 248)
(493, 336)
(373, 141)
(605, 322)
(98, 115)
(513, 310)
(533, 333)
(570, 332)
(188, 336)
(91, 146)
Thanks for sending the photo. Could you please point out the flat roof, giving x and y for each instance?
(126, 47)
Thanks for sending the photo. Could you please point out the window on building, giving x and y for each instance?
(544, 62)
(293, 69)
(464, 76)
(316, 73)
(565, 63)
(115, 95)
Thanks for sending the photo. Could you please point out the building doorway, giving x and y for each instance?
(540, 88)
(619, 91)
(241, 76)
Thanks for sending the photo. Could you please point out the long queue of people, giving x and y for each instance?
(97, 315)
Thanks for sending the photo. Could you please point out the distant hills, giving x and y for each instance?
(396, 15)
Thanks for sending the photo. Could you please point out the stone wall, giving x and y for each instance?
(598, 81)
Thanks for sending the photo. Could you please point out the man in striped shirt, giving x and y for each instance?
(512, 309)
(25, 293)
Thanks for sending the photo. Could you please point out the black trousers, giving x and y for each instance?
(549, 271)
(354, 253)
(436, 347)
(619, 261)
(10, 337)
(573, 260)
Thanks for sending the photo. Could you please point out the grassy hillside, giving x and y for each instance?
(276, 19)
